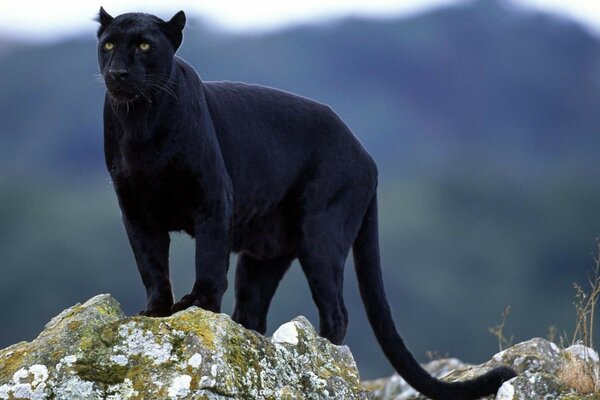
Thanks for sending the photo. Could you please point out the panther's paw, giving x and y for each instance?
(163, 309)
(191, 299)
(156, 312)
(186, 301)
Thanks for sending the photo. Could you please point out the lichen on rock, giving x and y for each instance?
(93, 351)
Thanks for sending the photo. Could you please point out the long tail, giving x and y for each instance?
(370, 282)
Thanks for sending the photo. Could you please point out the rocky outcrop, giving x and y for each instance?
(93, 351)
(545, 372)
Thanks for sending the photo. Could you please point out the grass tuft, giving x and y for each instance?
(585, 305)
(579, 376)
(498, 331)
(582, 374)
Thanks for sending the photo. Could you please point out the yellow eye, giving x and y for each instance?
(144, 46)
(109, 46)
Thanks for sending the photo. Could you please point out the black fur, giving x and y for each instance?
(242, 168)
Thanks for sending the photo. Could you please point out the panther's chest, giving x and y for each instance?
(165, 196)
(134, 157)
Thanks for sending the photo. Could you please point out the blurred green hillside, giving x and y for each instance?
(484, 121)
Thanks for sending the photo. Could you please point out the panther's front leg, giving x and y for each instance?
(151, 250)
(212, 261)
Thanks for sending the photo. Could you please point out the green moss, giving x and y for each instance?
(177, 343)
(137, 374)
(197, 323)
(105, 309)
(93, 336)
(195, 377)
(331, 366)
(68, 315)
(235, 356)
(76, 309)
(304, 341)
(242, 354)
(90, 370)
(13, 362)
(74, 325)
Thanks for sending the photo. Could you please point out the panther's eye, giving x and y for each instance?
(108, 46)
(144, 46)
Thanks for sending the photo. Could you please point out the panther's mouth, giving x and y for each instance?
(121, 92)
(122, 95)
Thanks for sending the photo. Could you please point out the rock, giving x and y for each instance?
(545, 372)
(93, 351)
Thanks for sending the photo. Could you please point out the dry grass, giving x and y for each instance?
(582, 375)
(579, 376)
(436, 355)
(585, 304)
(552, 333)
(498, 331)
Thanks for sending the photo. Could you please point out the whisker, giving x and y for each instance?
(164, 89)
(99, 79)
(141, 91)
(153, 84)
(162, 78)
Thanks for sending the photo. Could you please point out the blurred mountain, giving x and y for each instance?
(481, 76)
(483, 118)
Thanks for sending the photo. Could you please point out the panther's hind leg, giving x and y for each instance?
(255, 284)
(328, 231)
(325, 278)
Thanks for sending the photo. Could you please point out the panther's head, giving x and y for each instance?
(135, 53)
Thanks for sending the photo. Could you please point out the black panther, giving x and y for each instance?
(247, 169)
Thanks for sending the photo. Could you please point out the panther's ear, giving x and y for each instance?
(174, 29)
(104, 19)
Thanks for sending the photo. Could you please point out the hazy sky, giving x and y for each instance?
(57, 18)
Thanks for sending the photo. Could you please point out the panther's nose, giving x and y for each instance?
(118, 74)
